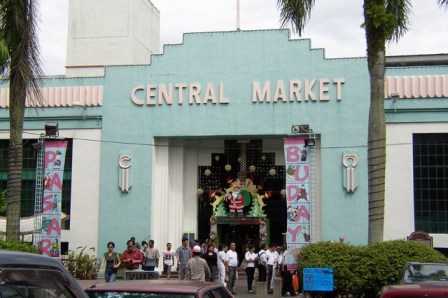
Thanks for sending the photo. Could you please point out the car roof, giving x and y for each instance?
(432, 287)
(159, 285)
(9, 258)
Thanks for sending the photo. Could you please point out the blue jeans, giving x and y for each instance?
(213, 273)
(110, 275)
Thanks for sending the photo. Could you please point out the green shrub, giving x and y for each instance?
(363, 270)
(16, 245)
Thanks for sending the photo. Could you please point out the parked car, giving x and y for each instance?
(159, 289)
(31, 275)
(419, 280)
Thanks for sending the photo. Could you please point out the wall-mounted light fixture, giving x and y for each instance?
(304, 130)
(51, 129)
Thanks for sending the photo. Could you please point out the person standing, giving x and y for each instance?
(183, 254)
(144, 246)
(212, 261)
(152, 256)
(111, 261)
(233, 265)
(222, 263)
(250, 257)
(168, 260)
(287, 287)
(273, 257)
(132, 257)
(197, 268)
(263, 264)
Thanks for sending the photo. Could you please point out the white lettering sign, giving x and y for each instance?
(161, 94)
(310, 90)
(307, 90)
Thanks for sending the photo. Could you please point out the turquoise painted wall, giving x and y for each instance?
(235, 59)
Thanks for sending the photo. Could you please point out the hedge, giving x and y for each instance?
(18, 246)
(363, 270)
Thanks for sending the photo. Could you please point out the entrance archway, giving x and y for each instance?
(242, 234)
(243, 168)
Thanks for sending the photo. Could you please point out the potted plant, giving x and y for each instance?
(82, 265)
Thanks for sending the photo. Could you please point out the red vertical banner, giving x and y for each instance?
(298, 199)
(50, 243)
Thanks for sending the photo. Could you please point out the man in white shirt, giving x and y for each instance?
(273, 257)
(233, 265)
(263, 263)
(222, 264)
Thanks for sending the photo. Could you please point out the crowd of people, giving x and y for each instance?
(203, 261)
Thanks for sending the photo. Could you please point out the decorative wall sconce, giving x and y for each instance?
(125, 166)
(350, 161)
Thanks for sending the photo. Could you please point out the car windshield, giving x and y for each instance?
(136, 294)
(42, 283)
(426, 272)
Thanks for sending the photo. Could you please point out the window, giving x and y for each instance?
(29, 176)
(430, 153)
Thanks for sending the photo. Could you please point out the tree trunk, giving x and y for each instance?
(14, 193)
(376, 25)
(376, 149)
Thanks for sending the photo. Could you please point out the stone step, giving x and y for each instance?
(241, 274)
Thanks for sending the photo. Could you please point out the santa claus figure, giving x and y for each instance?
(236, 202)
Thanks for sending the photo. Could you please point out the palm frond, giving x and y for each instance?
(443, 3)
(295, 12)
(19, 45)
(400, 9)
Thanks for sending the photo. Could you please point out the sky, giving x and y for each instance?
(335, 25)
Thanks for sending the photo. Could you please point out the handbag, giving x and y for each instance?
(243, 264)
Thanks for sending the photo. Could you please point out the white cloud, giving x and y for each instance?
(334, 25)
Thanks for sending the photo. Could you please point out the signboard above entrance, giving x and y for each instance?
(311, 90)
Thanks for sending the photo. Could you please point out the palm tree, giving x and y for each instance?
(20, 64)
(384, 20)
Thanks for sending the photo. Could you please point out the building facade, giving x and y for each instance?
(153, 145)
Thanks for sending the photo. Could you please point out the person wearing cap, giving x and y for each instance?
(204, 249)
(197, 268)
(182, 255)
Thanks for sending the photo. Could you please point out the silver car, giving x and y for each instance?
(31, 275)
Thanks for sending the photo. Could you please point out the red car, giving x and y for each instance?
(159, 289)
(419, 280)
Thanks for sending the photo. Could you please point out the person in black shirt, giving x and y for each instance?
(212, 261)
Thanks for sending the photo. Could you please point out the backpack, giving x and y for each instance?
(257, 260)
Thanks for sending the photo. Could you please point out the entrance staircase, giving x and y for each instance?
(241, 274)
